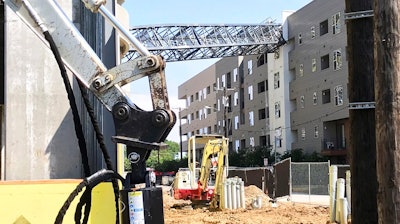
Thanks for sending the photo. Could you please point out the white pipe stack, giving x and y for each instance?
(234, 193)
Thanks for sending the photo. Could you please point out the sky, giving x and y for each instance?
(199, 12)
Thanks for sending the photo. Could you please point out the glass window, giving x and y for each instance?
(312, 32)
(252, 141)
(316, 131)
(235, 98)
(261, 114)
(336, 23)
(299, 39)
(323, 27)
(303, 133)
(277, 109)
(337, 59)
(325, 62)
(276, 80)
(250, 67)
(301, 70)
(326, 96)
(261, 87)
(313, 65)
(302, 101)
(236, 122)
(339, 95)
(315, 98)
(250, 89)
(251, 118)
(235, 75)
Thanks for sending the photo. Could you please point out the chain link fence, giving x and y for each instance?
(310, 178)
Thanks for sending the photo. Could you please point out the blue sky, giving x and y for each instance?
(206, 11)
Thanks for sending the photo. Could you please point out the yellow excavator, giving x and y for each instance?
(202, 181)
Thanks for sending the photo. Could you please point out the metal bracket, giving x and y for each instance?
(359, 14)
(361, 105)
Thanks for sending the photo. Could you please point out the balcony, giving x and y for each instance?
(332, 148)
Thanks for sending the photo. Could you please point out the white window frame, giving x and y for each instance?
(337, 59)
(336, 26)
(276, 80)
(235, 75)
(301, 70)
(338, 91)
(313, 65)
(235, 98)
(277, 109)
(250, 67)
(315, 98)
(250, 90)
(313, 32)
(236, 122)
(251, 118)
(302, 104)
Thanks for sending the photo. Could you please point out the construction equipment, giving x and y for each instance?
(141, 131)
(202, 182)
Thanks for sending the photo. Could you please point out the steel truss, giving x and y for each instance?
(203, 41)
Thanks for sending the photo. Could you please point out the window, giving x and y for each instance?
(208, 89)
(189, 118)
(267, 112)
(278, 137)
(250, 89)
(323, 28)
(312, 32)
(313, 65)
(303, 133)
(261, 60)
(197, 96)
(276, 80)
(337, 59)
(302, 101)
(235, 98)
(336, 23)
(228, 80)
(251, 118)
(315, 98)
(264, 140)
(243, 143)
(277, 109)
(316, 131)
(326, 96)
(223, 80)
(299, 39)
(188, 101)
(236, 122)
(261, 87)
(325, 62)
(252, 141)
(235, 75)
(237, 145)
(339, 95)
(261, 114)
(301, 70)
(191, 98)
(250, 67)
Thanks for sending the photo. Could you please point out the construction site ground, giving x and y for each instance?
(281, 212)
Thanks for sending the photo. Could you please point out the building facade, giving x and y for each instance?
(319, 71)
(295, 98)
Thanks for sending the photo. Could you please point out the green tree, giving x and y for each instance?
(159, 156)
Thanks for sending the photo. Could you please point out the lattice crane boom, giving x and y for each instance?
(202, 41)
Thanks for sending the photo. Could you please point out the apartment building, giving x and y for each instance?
(319, 72)
(295, 98)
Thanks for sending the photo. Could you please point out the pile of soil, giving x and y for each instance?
(181, 211)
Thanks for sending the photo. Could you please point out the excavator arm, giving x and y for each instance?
(141, 131)
(214, 155)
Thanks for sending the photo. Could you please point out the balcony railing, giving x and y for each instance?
(334, 147)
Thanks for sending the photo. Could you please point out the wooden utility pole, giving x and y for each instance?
(362, 121)
(387, 95)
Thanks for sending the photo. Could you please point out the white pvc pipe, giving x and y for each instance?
(225, 195)
(243, 205)
(229, 194)
(234, 198)
(332, 192)
(342, 210)
(339, 195)
(348, 190)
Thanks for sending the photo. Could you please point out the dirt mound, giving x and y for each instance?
(180, 211)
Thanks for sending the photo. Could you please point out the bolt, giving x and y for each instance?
(97, 83)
